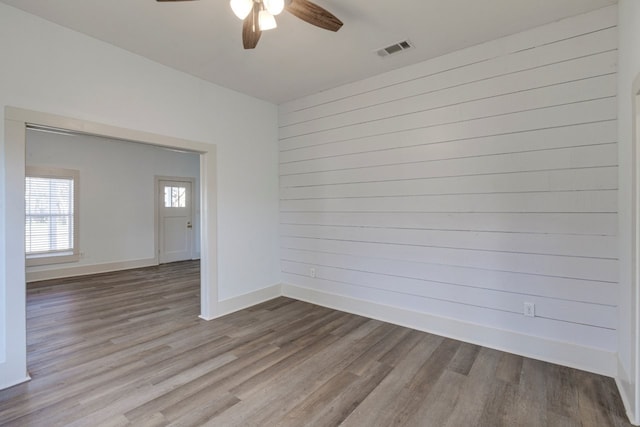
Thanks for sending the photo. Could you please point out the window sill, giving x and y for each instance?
(47, 259)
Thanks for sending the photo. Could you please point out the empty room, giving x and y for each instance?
(319, 213)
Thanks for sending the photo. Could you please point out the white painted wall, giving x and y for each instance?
(116, 197)
(52, 69)
(457, 189)
(628, 85)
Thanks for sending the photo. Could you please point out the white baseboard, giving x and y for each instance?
(81, 270)
(626, 393)
(5, 385)
(562, 353)
(247, 300)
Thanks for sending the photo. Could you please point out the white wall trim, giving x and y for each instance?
(13, 363)
(247, 300)
(4, 385)
(567, 354)
(634, 384)
(82, 270)
(626, 392)
(629, 226)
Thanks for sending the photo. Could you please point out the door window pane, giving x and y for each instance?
(175, 197)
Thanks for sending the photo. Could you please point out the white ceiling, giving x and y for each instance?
(203, 38)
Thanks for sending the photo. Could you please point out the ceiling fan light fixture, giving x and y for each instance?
(241, 8)
(274, 7)
(266, 21)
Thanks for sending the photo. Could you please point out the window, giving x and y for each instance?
(51, 215)
(174, 197)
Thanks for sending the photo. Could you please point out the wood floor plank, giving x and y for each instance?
(440, 403)
(498, 407)
(342, 401)
(268, 402)
(306, 412)
(198, 410)
(381, 405)
(562, 394)
(474, 396)
(207, 384)
(128, 349)
(417, 390)
(378, 350)
(531, 399)
(464, 358)
(509, 368)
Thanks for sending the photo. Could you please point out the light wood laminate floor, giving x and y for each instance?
(127, 348)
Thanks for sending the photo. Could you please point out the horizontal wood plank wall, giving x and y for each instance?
(466, 185)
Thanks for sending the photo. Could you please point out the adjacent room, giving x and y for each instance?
(121, 215)
(263, 212)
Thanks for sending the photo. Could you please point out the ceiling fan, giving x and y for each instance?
(259, 16)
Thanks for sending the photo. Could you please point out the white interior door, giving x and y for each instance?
(175, 221)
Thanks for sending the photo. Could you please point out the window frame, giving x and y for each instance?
(181, 201)
(72, 255)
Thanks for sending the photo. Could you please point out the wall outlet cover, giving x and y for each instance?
(529, 309)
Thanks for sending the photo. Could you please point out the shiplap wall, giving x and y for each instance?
(466, 185)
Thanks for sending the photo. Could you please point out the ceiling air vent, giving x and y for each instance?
(395, 48)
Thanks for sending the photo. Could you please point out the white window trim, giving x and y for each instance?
(60, 257)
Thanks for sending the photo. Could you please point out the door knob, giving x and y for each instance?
(189, 224)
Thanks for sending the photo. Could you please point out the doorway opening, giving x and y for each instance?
(16, 123)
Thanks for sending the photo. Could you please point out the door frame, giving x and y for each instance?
(156, 189)
(13, 360)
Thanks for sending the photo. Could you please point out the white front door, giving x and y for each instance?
(175, 221)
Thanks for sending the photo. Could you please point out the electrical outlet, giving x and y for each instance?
(312, 272)
(529, 309)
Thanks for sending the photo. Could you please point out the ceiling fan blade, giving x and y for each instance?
(250, 31)
(314, 14)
